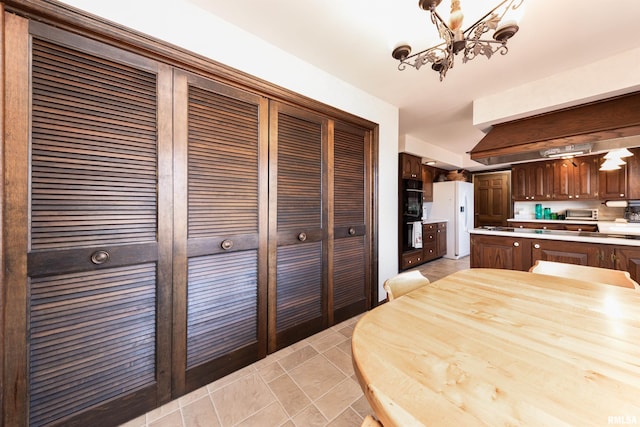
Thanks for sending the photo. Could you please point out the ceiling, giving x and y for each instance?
(353, 40)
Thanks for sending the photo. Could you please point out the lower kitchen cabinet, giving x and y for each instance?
(521, 253)
(412, 258)
(500, 252)
(434, 240)
(567, 252)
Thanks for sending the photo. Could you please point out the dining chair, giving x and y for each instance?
(369, 421)
(403, 283)
(583, 272)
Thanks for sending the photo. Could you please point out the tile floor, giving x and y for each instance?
(310, 383)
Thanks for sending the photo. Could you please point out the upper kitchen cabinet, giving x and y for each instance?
(532, 181)
(613, 184)
(427, 183)
(411, 166)
(633, 174)
(576, 178)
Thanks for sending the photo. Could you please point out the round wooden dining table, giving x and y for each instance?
(502, 348)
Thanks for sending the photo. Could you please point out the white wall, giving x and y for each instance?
(188, 26)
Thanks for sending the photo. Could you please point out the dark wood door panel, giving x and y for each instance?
(219, 304)
(87, 333)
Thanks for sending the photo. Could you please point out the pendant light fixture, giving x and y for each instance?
(470, 43)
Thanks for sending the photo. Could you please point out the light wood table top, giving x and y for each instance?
(502, 348)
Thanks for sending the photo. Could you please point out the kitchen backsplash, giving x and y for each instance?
(526, 210)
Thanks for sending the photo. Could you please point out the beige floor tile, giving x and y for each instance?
(271, 372)
(272, 415)
(234, 376)
(173, 419)
(298, 357)
(193, 396)
(290, 396)
(362, 407)
(339, 398)
(348, 418)
(329, 340)
(310, 417)
(200, 413)
(340, 359)
(346, 330)
(317, 376)
(162, 411)
(345, 347)
(240, 399)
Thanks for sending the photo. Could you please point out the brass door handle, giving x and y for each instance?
(352, 231)
(226, 244)
(302, 237)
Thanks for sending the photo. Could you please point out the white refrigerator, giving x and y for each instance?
(453, 201)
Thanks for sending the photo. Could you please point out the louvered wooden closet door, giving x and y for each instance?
(298, 225)
(221, 207)
(97, 261)
(351, 284)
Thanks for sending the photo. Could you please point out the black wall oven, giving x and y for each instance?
(412, 200)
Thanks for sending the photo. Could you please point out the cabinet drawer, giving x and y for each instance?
(411, 259)
(429, 237)
(430, 251)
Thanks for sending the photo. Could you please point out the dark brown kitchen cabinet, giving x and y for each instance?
(613, 184)
(143, 256)
(220, 258)
(568, 252)
(411, 166)
(434, 240)
(510, 253)
(90, 226)
(427, 183)
(532, 181)
(576, 178)
(625, 258)
(633, 174)
(412, 258)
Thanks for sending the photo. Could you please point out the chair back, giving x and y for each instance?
(369, 421)
(404, 283)
(586, 273)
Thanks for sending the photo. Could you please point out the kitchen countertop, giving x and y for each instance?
(433, 220)
(557, 221)
(572, 236)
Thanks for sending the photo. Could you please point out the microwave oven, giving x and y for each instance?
(582, 214)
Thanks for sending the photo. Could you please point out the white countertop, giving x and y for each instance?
(433, 220)
(556, 221)
(572, 236)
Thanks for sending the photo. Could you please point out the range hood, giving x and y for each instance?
(589, 128)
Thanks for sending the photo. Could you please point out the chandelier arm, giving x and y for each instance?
(494, 18)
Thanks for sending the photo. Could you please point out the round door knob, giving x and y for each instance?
(516, 244)
(537, 246)
(226, 244)
(99, 257)
(352, 231)
(302, 237)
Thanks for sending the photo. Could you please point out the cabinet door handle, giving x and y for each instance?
(100, 257)
(302, 237)
(536, 246)
(226, 244)
(516, 244)
(352, 231)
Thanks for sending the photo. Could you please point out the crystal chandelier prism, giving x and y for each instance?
(471, 42)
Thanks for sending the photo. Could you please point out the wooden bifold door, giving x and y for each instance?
(163, 229)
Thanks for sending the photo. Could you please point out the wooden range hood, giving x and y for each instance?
(601, 125)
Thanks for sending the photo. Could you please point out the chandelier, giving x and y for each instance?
(468, 42)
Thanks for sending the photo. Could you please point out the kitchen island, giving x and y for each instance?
(515, 248)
